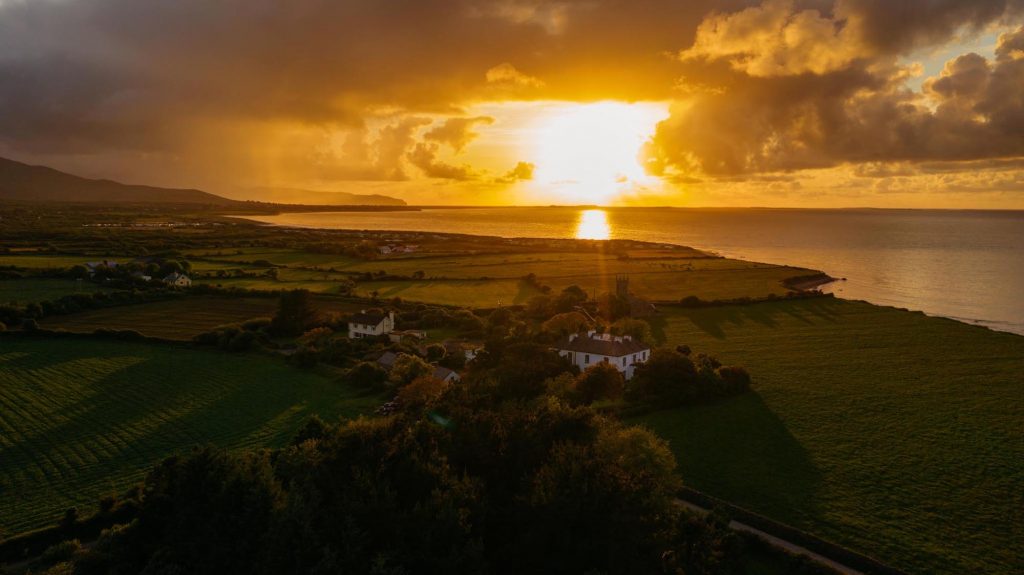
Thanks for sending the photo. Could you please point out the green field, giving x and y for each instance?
(482, 279)
(50, 261)
(895, 434)
(93, 416)
(183, 318)
(22, 291)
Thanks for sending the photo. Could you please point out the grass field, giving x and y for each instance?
(668, 275)
(184, 318)
(93, 416)
(24, 291)
(479, 293)
(49, 261)
(896, 434)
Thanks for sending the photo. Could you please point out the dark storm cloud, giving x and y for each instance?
(758, 87)
(174, 62)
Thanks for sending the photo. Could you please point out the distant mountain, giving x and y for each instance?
(313, 198)
(41, 184)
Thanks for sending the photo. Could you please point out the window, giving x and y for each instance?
(623, 361)
(586, 359)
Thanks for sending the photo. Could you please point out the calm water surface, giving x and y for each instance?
(967, 265)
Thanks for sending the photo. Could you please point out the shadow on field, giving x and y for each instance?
(739, 450)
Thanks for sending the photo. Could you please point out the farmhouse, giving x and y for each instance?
(370, 324)
(623, 352)
(177, 280)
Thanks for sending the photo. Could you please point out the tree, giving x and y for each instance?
(539, 307)
(637, 329)
(567, 323)
(368, 374)
(570, 298)
(436, 352)
(421, 392)
(407, 368)
(666, 376)
(524, 367)
(614, 306)
(295, 313)
(734, 378)
(600, 381)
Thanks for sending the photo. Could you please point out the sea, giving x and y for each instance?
(966, 265)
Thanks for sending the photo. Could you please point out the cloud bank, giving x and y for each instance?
(191, 92)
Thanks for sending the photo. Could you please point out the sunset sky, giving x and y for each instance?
(888, 103)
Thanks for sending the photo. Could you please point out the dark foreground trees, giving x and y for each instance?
(456, 483)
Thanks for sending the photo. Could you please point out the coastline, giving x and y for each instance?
(933, 301)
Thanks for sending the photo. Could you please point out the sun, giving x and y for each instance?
(589, 153)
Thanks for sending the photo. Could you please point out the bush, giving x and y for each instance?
(256, 323)
(599, 381)
(367, 374)
(295, 313)
(408, 368)
(60, 553)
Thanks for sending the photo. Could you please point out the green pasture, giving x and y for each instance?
(83, 419)
(184, 318)
(50, 261)
(468, 293)
(22, 291)
(893, 433)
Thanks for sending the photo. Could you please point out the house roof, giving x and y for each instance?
(602, 344)
(369, 318)
(442, 373)
(387, 359)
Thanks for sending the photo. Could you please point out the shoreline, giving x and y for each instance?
(809, 283)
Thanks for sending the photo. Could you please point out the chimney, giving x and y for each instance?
(391, 315)
(572, 337)
(627, 337)
(591, 333)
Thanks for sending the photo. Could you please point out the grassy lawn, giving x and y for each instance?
(93, 416)
(183, 318)
(23, 291)
(896, 434)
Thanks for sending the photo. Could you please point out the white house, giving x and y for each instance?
(178, 280)
(623, 352)
(370, 324)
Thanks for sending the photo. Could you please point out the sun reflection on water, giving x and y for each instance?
(593, 225)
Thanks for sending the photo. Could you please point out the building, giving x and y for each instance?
(387, 360)
(371, 324)
(623, 352)
(466, 349)
(397, 336)
(446, 375)
(177, 280)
